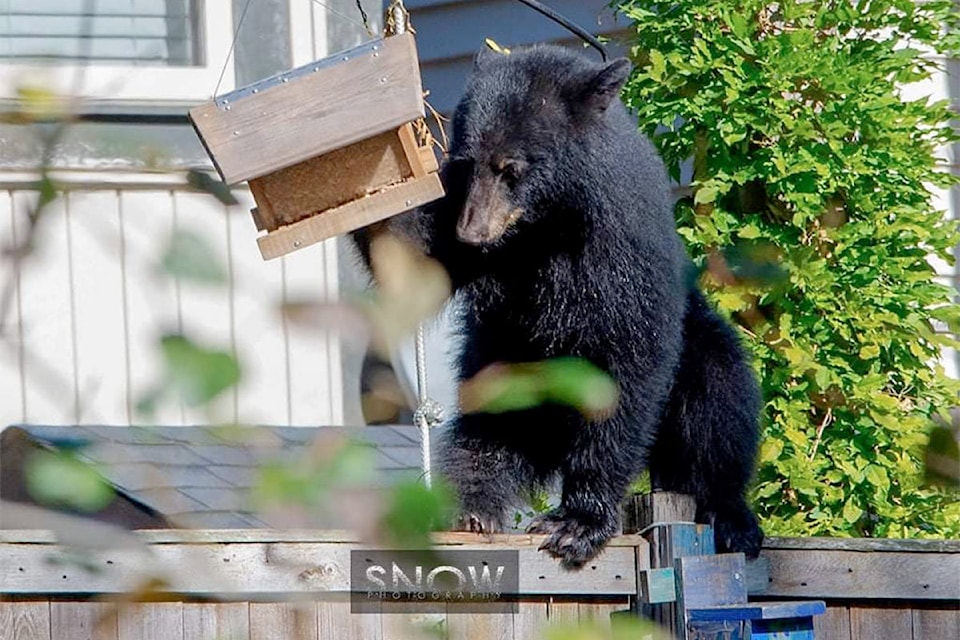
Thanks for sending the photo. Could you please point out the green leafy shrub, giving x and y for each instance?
(811, 217)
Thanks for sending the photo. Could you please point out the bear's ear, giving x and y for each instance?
(603, 87)
(485, 55)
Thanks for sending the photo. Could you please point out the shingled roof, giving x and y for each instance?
(199, 476)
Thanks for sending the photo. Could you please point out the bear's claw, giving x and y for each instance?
(572, 540)
(477, 523)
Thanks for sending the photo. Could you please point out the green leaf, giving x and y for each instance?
(869, 351)
(749, 232)
(60, 479)
(658, 65)
(705, 194)
(196, 374)
(414, 510)
(573, 382)
(851, 512)
(189, 257)
(770, 450)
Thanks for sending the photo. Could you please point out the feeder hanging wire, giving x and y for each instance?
(573, 28)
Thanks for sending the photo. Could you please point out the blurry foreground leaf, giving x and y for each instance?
(190, 257)
(622, 627)
(203, 181)
(410, 288)
(414, 510)
(60, 479)
(332, 463)
(756, 262)
(943, 457)
(38, 103)
(573, 382)
(196, 374)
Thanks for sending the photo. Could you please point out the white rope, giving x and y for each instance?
(429, 412)
(399, 17)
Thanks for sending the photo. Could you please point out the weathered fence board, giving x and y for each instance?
(597, 612)
(858, 574)
(933, 624)
(833, 624)
(228, 620)
(873, 622)
(281, 567)
(259, 571)
(474, 626)
(150, 621)
(563, 611)
(25, 620)
(530, 620)
(283, 621)
(86, 620)
(335, 622)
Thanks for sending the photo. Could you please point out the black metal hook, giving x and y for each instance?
(585, 35)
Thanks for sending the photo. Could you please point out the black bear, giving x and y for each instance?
(558, 234)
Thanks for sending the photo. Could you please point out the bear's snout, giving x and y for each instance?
(487, 214)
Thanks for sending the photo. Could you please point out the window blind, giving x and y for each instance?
(115, 32)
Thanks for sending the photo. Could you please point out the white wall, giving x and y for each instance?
(89, 306)
(943, 86)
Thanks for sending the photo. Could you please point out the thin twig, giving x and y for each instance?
(827, 419)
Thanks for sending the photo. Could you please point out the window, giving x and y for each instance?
(171, 50)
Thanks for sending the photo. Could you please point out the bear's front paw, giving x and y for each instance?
(477, 523)
(574, 540)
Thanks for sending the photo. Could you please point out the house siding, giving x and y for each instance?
(91, 304)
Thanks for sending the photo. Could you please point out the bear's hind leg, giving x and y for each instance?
(709, 434)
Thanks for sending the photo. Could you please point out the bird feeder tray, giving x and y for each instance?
(326, 148)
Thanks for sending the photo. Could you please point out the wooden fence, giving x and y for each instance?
(874, 589)
(269, 585)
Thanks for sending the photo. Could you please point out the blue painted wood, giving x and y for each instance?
(759, 611)
(688, 539)
(658, 585)
(710, 581)
(795, 629)
(718, 631)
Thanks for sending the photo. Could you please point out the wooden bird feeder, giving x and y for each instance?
(328, 147)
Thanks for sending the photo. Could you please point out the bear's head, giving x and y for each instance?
(523, 129)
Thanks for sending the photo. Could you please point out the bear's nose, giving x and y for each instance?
(474, 227)
(471, 235)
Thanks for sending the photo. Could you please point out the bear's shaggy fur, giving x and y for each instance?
(558, 234)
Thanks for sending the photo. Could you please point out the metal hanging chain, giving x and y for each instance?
(366, 20)
(346, 17)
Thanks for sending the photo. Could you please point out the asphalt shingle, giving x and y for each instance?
(201, 476)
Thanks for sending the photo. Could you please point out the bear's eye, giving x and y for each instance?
(510, 170)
